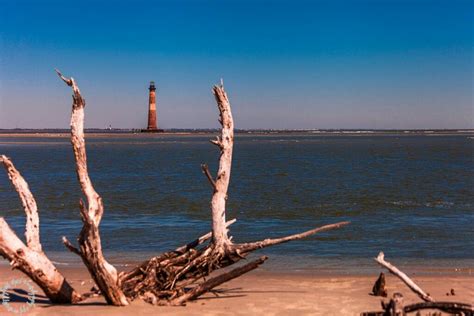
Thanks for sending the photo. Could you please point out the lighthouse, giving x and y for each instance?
(152, 126)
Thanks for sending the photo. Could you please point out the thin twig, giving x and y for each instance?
(205, 170)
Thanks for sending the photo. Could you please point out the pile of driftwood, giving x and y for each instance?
(395, 306)
(172, 278)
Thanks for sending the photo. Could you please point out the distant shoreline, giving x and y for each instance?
(201, 132)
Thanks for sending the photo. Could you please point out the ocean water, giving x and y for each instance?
(409, 196)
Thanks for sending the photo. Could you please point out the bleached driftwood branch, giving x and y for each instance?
(103, 273)
(395, 271)
(219, 197)
(30, 258)
(248, 247)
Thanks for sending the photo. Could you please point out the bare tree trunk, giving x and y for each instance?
(30, 258)
(221, 183)
(104, 274)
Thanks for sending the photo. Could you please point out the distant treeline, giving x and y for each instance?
(245, 131)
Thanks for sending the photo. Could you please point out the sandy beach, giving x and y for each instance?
(258, 293)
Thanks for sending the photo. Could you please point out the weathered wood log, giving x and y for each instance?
(395, 271)
(30, 258)
(218, 280)
(103, 273)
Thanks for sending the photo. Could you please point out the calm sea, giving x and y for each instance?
(410, 196)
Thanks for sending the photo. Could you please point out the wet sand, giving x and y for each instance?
(257, 293)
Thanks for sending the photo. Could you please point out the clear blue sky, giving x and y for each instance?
(286, 64)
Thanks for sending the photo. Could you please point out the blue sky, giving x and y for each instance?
(286, 64)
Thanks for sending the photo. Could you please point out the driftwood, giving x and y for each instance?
(30, 258)
(395, 306)
(412, 285)
(225, 142)
(90, 247)
(212, 283)
(172, 278)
